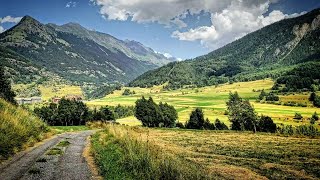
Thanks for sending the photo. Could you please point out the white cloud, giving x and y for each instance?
(71, 4)
(230, 19)
(231, 24)
(1, 29)
(9, 19)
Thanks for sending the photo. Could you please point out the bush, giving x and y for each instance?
(312, 96)
(266, 124)
(208, 125)
(307, 130)
(220, 125)
(180, 125)
(196, 120)
(127, 92)
(297, 116)
(272, 97)
(286, 130)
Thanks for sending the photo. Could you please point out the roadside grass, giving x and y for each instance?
(120, 155)
(54, 151)
(219, 154)
(64, 143)
(19, 129)
(212, 100)
(63, 129)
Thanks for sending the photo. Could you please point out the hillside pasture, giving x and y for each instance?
(212, 100)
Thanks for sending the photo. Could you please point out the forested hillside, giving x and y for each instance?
(268, 52)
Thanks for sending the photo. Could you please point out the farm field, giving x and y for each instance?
(221, 154)
(213, 101)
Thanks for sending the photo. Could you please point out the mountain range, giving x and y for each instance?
(32, 51)
(268, 52)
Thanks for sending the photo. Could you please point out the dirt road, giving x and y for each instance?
(58, 158)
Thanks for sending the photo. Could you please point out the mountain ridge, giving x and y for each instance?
(76, 54)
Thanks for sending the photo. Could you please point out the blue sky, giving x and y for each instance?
(184, 29)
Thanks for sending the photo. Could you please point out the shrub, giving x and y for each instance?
(286, 130)
(266, 124)
(208, 125)
(180, 125)
(272, 97)
(196, 120)
(220, 125)
(312, 96)
(307, 130)
(297, 116)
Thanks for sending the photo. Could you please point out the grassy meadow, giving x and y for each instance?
(215, 154)
(212, 100)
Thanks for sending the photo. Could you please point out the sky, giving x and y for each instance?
(181, 28)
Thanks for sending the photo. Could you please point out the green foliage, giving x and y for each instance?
(266, 124)
(272, 97)
(66, 112)
(96, 92)
(196, 120)
(298, 116)
(104, 114)
(180, 125)
(220, 125)
(153, 115)
(6, 92)
(18, 128)
(312, 96)
(122, 111)
(316, 101)
(169, 115)
(302, 77)
(127, 92)
(262, 95)
(314, 118)
(241, 114)
(302, 130)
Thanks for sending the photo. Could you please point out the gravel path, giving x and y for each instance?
(51, 160)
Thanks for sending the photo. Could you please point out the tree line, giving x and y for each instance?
(73, 113)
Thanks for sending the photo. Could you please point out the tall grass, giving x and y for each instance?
(18, 129)
(120, 154)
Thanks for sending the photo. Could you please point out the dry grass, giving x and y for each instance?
(19, 129)
(235, 155)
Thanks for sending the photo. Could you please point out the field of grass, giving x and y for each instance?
(218, 154)
(48, 92)
(63, 129)
(213, 101)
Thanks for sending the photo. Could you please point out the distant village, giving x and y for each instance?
(35, 100)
